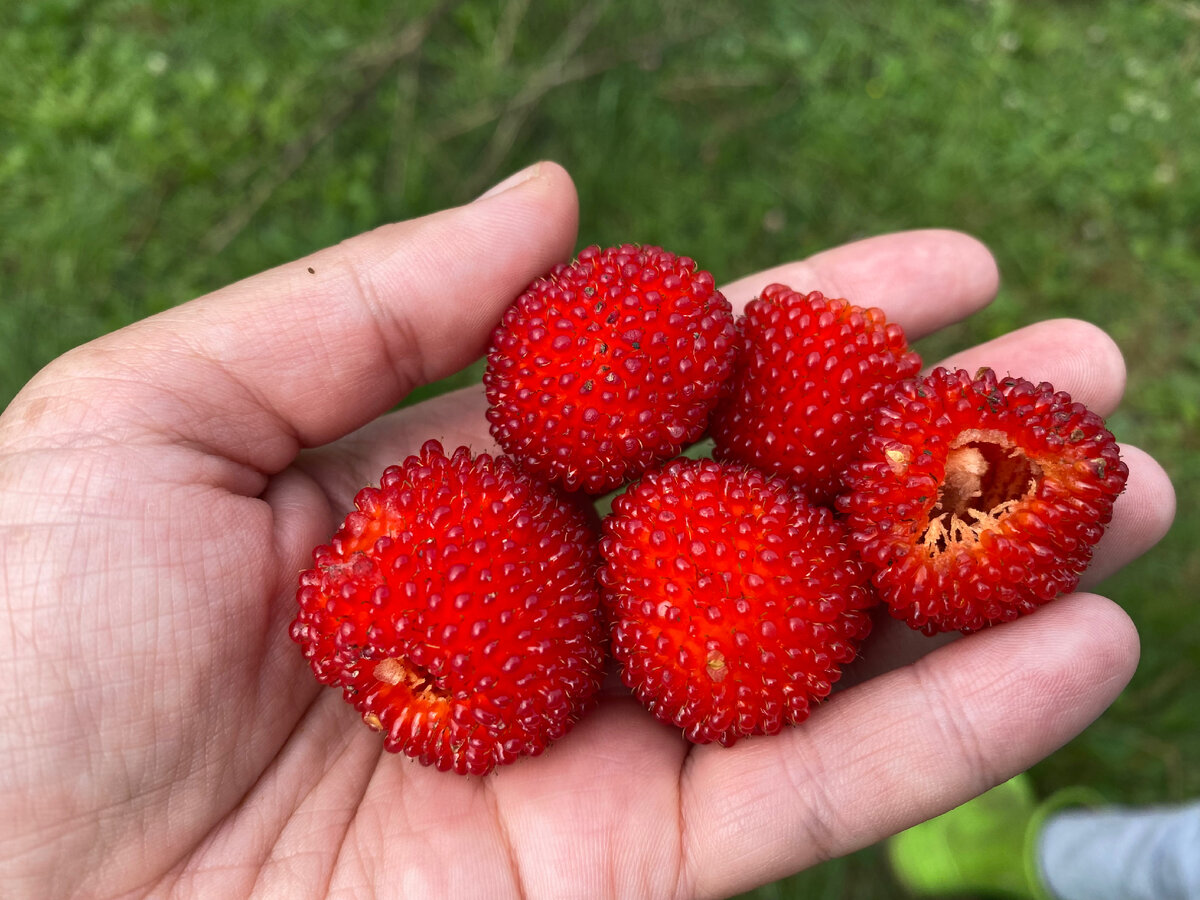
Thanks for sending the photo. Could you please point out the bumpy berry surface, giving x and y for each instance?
(809, 371)
(608, 365)
(979, 499)
(458, 609)
(734, 602)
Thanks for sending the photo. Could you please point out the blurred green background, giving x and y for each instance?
(152, 151)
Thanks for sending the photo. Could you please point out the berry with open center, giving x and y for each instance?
(458, 609)
(976, 500)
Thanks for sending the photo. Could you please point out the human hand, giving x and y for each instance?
(161, 488)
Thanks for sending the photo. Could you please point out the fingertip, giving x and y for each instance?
(1155, 496)
(436, 286)
(1142, 516)
(1112, 639)
(1152, 480)
(1076, 652)
(553, 178)
(557, 181)
(922, 279)
(546, 182)
(1073, 355)
(963, 259)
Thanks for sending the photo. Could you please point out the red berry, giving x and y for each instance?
(809, 371)
(734, 601)
(608, 365)
(457, 608)
(978, 499)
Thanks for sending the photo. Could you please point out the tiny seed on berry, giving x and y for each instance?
(390, 670)
(898, 460)
(715, 666)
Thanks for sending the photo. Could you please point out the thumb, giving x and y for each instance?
(307, 352)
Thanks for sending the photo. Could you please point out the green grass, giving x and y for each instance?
(151, 151)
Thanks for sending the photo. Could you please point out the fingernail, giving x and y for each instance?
(511, 181)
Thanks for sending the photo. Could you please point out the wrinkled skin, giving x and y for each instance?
(160, 489)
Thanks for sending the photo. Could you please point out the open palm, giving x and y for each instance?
(161, 488)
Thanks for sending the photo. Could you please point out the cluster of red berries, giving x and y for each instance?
(467, 606)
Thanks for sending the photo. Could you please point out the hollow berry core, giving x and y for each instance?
(395, 671)
(986, 476)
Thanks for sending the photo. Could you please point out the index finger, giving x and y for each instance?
(923, 280)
